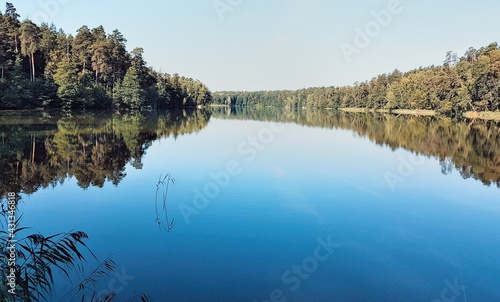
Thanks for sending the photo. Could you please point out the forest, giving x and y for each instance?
(43, 67)
(470, 83)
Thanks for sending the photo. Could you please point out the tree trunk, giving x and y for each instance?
(33, 65)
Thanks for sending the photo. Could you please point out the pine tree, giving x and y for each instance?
(66, 78)
(29, 43)
(129, 91)
(17, 88)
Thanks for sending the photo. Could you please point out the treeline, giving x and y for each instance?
(43, 67)
(472, 83)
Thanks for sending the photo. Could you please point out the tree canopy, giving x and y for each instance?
(43, 67)
(471, 84)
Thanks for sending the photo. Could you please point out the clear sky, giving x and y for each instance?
(282, 44)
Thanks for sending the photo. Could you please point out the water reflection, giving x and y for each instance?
(235, 249)
(43, 150)
(470, 147)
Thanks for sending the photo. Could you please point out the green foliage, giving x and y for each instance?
(69, 90)
(85, 71)
(93, 67)
(176, 92)
(129, 93)
(30, 43)
(473, 84)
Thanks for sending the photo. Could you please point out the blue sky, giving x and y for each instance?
(268, 45)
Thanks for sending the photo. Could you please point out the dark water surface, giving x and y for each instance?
(267, 205)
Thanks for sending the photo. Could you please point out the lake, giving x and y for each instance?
(265, 204)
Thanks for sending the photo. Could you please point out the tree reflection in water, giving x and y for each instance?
(471, 147)
(42, 151)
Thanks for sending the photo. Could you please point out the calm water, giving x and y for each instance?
(267, 205)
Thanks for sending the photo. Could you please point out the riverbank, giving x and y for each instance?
(396, 111)
(483, 115)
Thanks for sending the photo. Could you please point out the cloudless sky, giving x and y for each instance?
(279, 44)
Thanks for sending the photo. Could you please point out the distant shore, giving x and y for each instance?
(483, 115)
(395, 111)
(486, 115)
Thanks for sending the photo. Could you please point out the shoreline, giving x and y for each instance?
(395, 111)
(483, 115)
